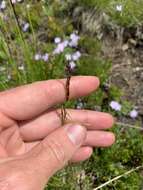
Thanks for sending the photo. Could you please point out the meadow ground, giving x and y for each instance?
(102, 38)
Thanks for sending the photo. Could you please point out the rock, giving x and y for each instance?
(125, 47)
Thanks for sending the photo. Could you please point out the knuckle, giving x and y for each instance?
(9, 180)
(86, 118)
(54, 86)
(4, 185)
(56, 150)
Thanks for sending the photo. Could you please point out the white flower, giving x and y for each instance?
(21, 68)
(68, 57)
(13, 1)
(9, 77)
(57, 40)
(37, 57)
(3, 5)
(28, 6)
(16, 1)
(119, 8)
(80, 105)
(26, 27)
(2, 69)
(115, 106)
(133, 114)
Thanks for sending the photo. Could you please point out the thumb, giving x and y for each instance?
(57, 149)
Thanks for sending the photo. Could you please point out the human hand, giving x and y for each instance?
(33, 144)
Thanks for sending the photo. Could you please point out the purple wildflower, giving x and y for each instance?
(66, 43)
(45, 57)
(74, 40)
(115, 106)
(60, 48)
(72, 65)
(134, 114)
(76, 56)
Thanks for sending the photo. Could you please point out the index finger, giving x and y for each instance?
(30, 100)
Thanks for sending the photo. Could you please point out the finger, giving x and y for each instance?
(3, 153)
(99, 139)
(28, 101)
(56, 150)
(11, 143)
(30, 145)
(41, 126)
(82, 154)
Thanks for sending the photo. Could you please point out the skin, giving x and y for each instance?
(33, 144)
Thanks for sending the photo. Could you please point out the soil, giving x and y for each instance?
(124, 47)
(126, 53)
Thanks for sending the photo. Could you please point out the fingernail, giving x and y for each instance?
(76, 133)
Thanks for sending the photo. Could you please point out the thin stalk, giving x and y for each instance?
(32, 29)
(7, 49)
(25, 46)
(118, 177)
(5, 35)
(4, 85)
(129, 126)
(67, 90)
(17, 21)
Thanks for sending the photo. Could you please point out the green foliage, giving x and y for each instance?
(106, 164)
(131, 13)
(115, 93)
(90, 45)
(90, 65)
